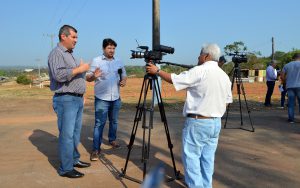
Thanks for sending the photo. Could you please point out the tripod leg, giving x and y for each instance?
(244, 93)
(139, 112)
(146, 143)
(164, 120)
(232, 83)
(238, 86)
(227, 111)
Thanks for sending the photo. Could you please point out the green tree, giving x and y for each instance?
(23, 79)
(2, 73)
(238, 46)
(227, 67)
(288, 57)
(253, 62)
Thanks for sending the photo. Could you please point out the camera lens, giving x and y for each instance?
(136, 54)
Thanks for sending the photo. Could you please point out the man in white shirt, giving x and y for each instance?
(109, 74)
(271, 76)
(208, 92)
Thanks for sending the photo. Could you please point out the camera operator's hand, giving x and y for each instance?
(151, 69)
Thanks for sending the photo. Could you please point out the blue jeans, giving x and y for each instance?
(104, 109)
(199, 142)
(69, 111)
(292, 94)
(283, 94)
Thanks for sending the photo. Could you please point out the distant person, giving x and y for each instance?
(109, 74)
(221, 61)
(283, 91)
(67, 80)
(291, 76)
(271, 76)
(208, 92)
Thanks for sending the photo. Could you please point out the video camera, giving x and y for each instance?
(155, 55)
(238, 57)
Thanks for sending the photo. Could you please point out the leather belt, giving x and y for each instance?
(69, 93)
(197, 116)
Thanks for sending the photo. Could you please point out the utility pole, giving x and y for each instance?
(155, 24)
(51, 38)
(273, 53)
(38, 61)
(156, 35)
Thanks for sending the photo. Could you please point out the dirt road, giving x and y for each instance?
(269, 157)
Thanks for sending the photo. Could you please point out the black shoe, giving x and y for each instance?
(82, 164)
(73, 174)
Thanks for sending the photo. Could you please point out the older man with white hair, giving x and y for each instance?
(208, 92)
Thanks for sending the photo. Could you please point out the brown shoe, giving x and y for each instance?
(114, 144)
(94, 156)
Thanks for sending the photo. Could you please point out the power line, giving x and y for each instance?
(65, 11)
(51, 38)
(80, 9)
(55, 12)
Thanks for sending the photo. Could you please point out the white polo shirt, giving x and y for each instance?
(208, 89)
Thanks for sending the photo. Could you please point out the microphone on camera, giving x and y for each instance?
(120, 73)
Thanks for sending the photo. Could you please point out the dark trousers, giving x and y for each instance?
(270, 85)
(283, 94)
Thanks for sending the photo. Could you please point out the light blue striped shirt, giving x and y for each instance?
(107, 86)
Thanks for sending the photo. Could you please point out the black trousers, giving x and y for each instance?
(270, 85)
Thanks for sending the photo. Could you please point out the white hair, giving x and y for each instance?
(213, 50)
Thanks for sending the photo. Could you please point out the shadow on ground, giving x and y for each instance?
(157, 155)
(46, 143)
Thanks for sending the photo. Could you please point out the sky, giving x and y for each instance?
(26, 27)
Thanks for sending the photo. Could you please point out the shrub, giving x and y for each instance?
(23, 79)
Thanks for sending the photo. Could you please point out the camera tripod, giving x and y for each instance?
(150, 81)
(236, 78)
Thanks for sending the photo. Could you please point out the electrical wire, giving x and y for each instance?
(80, 10)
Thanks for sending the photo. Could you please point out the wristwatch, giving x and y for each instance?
(157, 72)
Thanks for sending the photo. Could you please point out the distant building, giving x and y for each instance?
(28, 70)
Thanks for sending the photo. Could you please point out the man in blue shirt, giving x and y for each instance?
(291, 75)
(109, 74)
(271, 76)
